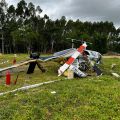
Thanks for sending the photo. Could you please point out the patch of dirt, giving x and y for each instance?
(111, 56)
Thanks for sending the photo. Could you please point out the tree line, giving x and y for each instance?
(23, 29)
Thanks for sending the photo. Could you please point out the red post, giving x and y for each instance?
(8, 78)
(14, 61)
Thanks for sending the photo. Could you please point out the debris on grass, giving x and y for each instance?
(53, 92)
(116, 75)
(113, 66)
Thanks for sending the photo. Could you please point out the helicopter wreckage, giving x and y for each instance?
(78, 60)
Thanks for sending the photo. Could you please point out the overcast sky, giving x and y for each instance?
(85, 10)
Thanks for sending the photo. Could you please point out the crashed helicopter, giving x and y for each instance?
(77, 62)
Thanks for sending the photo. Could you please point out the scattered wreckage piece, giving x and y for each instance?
(113, 66)
(95, 67)
(97, 70)
(115, 74)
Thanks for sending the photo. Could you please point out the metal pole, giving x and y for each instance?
(72, 44)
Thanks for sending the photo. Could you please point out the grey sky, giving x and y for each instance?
(85, 10)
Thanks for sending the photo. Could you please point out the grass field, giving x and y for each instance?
(91, 98)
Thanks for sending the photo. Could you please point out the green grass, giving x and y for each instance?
(91, 98)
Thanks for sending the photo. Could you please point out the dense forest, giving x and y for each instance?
(22, 29)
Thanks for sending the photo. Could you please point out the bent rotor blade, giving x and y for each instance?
(79, 51)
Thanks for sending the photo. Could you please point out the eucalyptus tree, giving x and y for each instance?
(24, 26)
(21, 7)
(3, 18)
(25, 37)
(3, 10)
